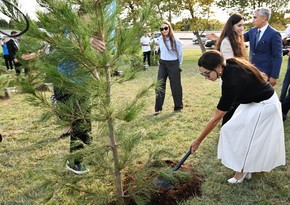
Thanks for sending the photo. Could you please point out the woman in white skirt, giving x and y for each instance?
(253, 139)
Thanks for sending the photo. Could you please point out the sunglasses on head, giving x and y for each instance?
(165, 28)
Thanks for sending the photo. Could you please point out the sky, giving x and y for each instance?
(219, 14)
(28, 6)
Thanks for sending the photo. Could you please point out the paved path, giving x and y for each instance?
(188, 44)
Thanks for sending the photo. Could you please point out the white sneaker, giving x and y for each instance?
(76, 168)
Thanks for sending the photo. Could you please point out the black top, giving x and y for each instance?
(12, 47)
(241, 87)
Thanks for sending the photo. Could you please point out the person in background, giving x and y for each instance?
(154, 44)
(145, 43)
(286, 80)
(253, 139)
(231, 44)
(171, 54)
(265, 45)
(6, 55)
(74, 96)
(284, 96)
(232, 37)
(64, 96)
(80, 127)
(154, 49)
(13, 47)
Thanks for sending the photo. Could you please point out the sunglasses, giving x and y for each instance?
(165, 28)
(205, 74)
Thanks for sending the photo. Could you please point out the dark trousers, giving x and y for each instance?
(18, 68)
(8, 62)
(146, 55)
(80, 121)
(286, 104)
(172, 70)
(286, 83)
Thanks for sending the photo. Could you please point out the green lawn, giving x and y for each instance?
(33, 158)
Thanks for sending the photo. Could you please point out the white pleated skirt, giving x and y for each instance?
(253, 139)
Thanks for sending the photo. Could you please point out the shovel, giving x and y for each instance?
(167, 184)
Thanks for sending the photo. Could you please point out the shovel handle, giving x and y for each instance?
(182, 160)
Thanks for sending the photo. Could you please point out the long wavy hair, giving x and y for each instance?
(170, 36)
(236, 40)
(211, 59)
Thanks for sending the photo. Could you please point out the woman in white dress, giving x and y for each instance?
(253, 139)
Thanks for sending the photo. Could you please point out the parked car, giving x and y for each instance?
(209, 44)
(202, 37)
(156, 35)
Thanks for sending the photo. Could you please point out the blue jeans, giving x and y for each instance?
(286, 82)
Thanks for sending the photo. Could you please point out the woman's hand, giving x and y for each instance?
(212, 36)
(97, 44)
(208, 128)
(272, 81)
(194, 145)
(29, 56)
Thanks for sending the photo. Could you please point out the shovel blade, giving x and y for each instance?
(165, 184)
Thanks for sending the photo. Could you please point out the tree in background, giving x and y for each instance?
(9, 10)
(200, 11)
(4, 23)
(279, 10)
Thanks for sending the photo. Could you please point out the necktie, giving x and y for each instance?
(257, 37)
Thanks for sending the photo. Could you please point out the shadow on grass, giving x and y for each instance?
(34, 146)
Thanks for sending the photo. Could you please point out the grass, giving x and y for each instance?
(33, 157)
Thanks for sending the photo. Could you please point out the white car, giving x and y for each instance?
(202, 37)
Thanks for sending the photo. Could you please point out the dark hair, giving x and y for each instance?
(236, 40)
(13, 32)
(211, 59)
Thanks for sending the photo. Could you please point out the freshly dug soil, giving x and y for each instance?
(183, 191)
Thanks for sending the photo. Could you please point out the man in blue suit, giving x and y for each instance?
(265, 45)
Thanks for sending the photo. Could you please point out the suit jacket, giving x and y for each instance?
(267, 56)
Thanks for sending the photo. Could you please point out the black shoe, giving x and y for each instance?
(178, 109)
(1, 138)
(76, 168)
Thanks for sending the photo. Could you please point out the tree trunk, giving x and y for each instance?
(110, 121)
(202, 48)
